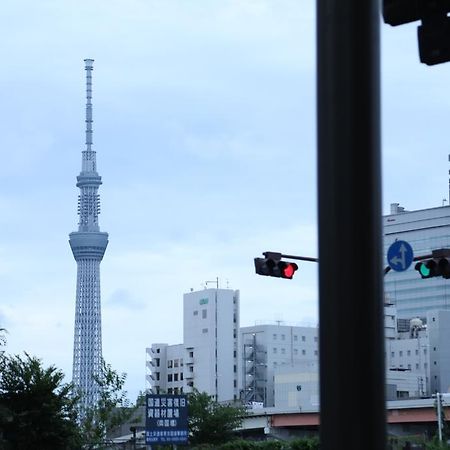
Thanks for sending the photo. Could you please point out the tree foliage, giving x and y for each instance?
(211, 422)
(112, 410)
(37, 409)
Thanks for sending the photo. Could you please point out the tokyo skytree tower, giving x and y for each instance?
(88, 247)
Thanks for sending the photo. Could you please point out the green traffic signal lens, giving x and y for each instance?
(424, 270)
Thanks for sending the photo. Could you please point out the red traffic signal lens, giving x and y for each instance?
(289, 269)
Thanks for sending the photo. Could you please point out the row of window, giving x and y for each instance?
(283, 337)
(175, 377)
(409, 367)
(174, 363)
(283, 351)
(408, 352)
(204, 313)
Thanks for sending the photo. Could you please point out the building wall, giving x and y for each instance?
(208, 357)
(277, 346)
(425, 230)
(438, 326)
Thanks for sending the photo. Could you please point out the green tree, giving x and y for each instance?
(211, 422)
(112, 410)
(37, 409)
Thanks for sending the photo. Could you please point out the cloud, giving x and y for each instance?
(122, 298)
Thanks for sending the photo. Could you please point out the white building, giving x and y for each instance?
(208, 357)
(417, 364)
(425, 230)
(264, 349)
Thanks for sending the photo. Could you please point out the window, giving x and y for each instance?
(191, 368)
(158, 376)
(408, 353)
(181, 376)
(234, 354)
(303, 352)
(205, 330)
(409, 366)
(392, 354)
(169, 378)
(400, 353)
(316, 352)
(274, 349)
(424, 351)
(195, 313)
(191, 354)
(295, 337)
(295, 351)
(158, 350)
(157, 362)
(235, 383)
(175, 377)
(315, 339)
(283, 337)
(181, 362)
(417, 366)
(303, 338)
(234, 368)
(175, 363)
(283, 351)
(169, 391)
(204, 313)
(417, 351)
(274, 337)
(169, 364)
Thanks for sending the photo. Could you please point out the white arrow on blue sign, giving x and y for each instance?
(400, 256)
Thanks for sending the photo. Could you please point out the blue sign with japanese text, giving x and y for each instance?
(166, 419)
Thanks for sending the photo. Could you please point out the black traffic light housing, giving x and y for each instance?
(274, 267)
(437, 266)
(434, 32)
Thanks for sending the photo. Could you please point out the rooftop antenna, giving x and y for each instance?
(216, 281)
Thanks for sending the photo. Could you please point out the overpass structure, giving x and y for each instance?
(404, 417)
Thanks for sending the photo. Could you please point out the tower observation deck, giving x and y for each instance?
(88, 246)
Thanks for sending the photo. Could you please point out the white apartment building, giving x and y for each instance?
(264, 349)
(208, 357)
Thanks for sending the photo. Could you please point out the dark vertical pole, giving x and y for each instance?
(352, 398)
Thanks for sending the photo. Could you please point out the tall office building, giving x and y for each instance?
(88, 246)
(207, 360)
(425, 230)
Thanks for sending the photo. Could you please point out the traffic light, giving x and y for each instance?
(434, 32)
(272, 267)
(436, 267)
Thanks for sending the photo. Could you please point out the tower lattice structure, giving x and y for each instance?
(88, 246)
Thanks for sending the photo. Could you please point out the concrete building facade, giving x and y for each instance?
(208, 357)
(264, 349)
(425, 230)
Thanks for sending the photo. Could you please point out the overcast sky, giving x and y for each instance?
(205, 132)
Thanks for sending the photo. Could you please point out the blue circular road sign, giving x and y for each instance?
(400, 256)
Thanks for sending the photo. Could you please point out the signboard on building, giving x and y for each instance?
(166, 419)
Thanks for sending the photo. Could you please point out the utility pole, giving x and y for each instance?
(349, 181)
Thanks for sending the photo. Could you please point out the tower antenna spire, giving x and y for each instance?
(89, 66)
